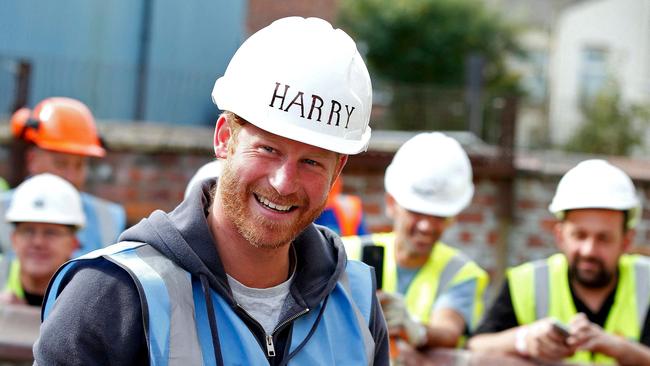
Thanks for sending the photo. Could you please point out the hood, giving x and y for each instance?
(183, 236)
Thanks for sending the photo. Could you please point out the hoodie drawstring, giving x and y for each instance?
(311, 333)
(212, 319)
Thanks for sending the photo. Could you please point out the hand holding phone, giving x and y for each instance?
(560, 328)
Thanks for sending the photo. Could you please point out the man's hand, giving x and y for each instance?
(540, 340)
(10, 299)
(399, 321)
(589, 336)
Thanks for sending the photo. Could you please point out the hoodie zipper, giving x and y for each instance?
(290, 319)
(270, 346)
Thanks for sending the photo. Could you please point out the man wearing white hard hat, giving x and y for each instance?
(589, 303)
(432, 293)
(45, 212)
(237, 274)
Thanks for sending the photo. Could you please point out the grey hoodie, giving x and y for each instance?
(98, 318)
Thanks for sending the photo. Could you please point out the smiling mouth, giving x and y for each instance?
(273, 206)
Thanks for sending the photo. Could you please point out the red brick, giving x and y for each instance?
(465, 237)
(134, 174)
(485, 200)
(262, 12)
(535, 241)
(492, 238)
(138, 210)
(380, 228)
(471, 217)
(526, 204)
(646, 214)
(547, 225)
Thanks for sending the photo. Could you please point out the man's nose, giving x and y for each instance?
(424, 224)
(38, 238)
(588, 246)
(284, 179)
(427, 223)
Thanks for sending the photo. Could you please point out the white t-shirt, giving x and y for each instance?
(263, 304)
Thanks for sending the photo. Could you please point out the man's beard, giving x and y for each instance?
(256, 229)
(600, 279)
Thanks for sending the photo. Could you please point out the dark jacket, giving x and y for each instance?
(97, 318)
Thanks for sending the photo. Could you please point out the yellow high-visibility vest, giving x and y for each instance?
(445, 268)
(541, 289)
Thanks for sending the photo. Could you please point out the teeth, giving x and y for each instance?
(273, 205)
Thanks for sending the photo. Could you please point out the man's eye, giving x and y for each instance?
(268, 148)
(605, 238)
(311, 162)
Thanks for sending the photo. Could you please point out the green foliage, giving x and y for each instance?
(427, 41)
(416, 51)
(610, 126)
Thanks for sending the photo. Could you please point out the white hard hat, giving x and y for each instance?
(301, 79)
(209, 170)
(596, 184)
(431, 174)
(46, 198)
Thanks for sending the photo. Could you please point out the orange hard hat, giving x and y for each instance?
(59, 124)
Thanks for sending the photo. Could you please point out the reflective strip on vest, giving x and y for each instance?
(168, 293)
(642, 277)
(541, 289)
(446, 267)
(348, 213)
(5, 266)
(105, 221)
(5, 227)
(175, 301)
(10, 276)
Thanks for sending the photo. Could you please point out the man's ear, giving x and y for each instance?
(340, 164)
(628, 239)
(222, 135)
(75, 243)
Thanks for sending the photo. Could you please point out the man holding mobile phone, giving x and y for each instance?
(592, 286)
(432, 293)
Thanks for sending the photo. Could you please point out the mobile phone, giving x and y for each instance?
(560, 328)
(373, 255)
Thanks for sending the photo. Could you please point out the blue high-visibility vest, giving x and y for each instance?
(179, 333)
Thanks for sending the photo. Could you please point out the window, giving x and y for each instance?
(593, 71)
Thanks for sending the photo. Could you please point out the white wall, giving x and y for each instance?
(622, 27)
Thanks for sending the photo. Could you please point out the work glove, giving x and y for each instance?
(399, 321)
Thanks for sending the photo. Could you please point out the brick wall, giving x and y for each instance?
(262, 12)
(149, 166)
